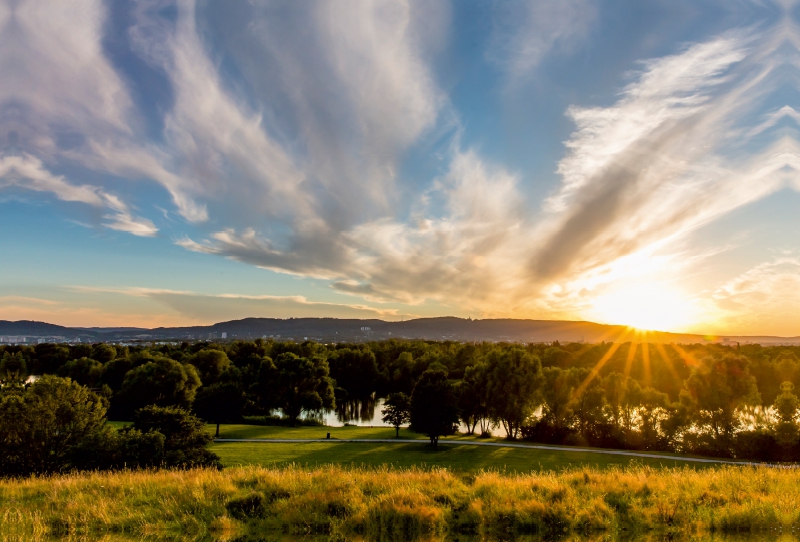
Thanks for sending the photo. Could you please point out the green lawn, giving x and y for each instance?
(417, 453)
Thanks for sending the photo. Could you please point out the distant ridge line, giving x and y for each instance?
(359, 330)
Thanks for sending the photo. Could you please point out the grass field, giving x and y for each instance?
(257, 503)
(416, 452)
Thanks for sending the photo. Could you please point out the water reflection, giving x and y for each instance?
(362, 412)
(367, 413)
(278, 537)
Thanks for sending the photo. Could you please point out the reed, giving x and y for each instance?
(386, 503)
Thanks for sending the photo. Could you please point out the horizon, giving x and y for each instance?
(179, 163)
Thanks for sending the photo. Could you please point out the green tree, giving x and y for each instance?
(44, 425)
(473, 400)
(84, 371)
(557, 398)
(354, 370)
(786, 410)
(434, 405)
(163, 382)
(296, 385)
(185, 437)
(103, 352)
(210, 364)
(514, 387)
(714, 392)
(220, 402)
(396, 411)
(13, 369)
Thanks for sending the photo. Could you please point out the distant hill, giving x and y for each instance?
(341, 330)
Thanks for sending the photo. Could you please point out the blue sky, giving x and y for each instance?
(181, 162)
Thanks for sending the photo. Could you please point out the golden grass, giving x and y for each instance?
(384, 503)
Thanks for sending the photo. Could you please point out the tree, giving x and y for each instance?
(434, 405)
(514, 387)
(185, 437)
(43, 426)
(713, 393)
(103, 352)
(210, 364)
(354, 370)
(473, 398)
(84, 371)
(163, 382)
(220, 402)
(786, 410)
(13, 369)
(556, 357)
(396, 411)
(557, 400)
(296, 385)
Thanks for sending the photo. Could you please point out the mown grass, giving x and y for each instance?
(387, 503)
(416, 452)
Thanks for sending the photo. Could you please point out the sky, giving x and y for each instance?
(186, 162)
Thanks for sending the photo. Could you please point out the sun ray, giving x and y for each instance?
(599, 365)
(648, 380)
(685, 356)
(668, 362)
(629, 360)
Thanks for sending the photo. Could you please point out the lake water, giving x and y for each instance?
(367, 413)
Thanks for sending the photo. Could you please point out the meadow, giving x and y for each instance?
(380, 503)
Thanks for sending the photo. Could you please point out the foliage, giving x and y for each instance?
(296, 384)
(43, 426)
(514, 385)
(396, 411)
(220, 402)
(689, 398)
(185, 438)
(162, 382)
(434, 405)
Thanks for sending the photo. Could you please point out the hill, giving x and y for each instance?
(341, 330)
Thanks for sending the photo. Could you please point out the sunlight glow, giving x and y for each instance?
(646, 306)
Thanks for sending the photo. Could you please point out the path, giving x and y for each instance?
(476, 443)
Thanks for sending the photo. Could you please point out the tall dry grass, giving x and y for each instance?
(393, 504)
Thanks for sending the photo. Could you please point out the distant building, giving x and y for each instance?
(224, 335)
(366, 329)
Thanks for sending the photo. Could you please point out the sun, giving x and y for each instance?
(646, 306)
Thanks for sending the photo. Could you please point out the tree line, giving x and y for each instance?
(702, 399)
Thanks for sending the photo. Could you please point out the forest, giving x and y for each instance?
(715, 400)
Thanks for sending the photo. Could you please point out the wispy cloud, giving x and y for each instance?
(759, 300)
(208, 308)
(28, 173)
(526, 31)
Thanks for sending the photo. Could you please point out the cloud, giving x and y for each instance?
(642, 174)
(763, 299)
(214, 308)
(526, 31)
(27, 172)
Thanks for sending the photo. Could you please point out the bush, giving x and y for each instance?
(185, 438)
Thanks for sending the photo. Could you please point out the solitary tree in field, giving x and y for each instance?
(434, 405)
(220, 402)
(397, 411)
